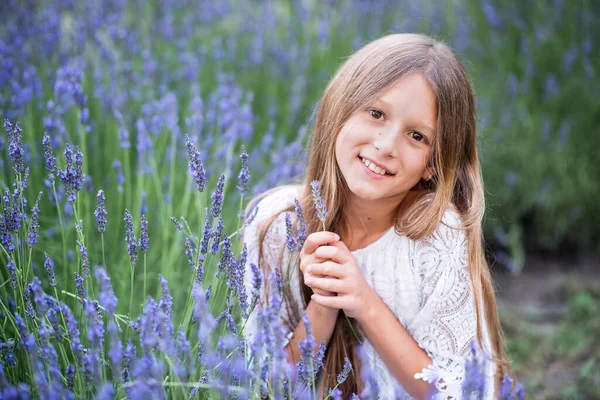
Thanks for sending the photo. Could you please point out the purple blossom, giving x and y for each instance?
(475, 379)
(216, 236)
(342, 376)
(70, 376)
(72, 176)
(79, 286)
(85, 262)
(177, 223)
(189, 251)
(318, 201)
(49, 157)
(49, 267)
(244, 175)
(107, 297)
(27, 297)
(301, 237)
(100, 212)
(12, 272)
(5, 236)
(130, 238)
(34, 227)
(15, 145)
(306, 370)
(115, 350)
(195, 163)
(144, 242)
(289, 233)
(506, 392)
(166, 300)
(120, 178)
(217, 197)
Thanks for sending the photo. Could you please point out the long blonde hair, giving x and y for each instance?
(457, 183)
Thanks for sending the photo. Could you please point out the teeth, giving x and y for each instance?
(373, 167)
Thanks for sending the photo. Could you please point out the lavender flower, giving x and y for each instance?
(130, 238)
(12, 272)
(100, 212)
(166, 300)
(195, 163)
(318, 201)
(49, 156)
(216, 236)
(107, 297)
(475, 379)
(306, 371)
(217, 197)
(34, 227)
(291, 239)
(15, 146)
(85, 262)
(244, 175)
(5, 236)
(342, 376)
(49, 267)
(301, 237)
(177, 223)
(70, 375)
(506, 392)
(120, 177)
(144, 242)
(72, 176)
(115, 350)
(189, 251)
(28, 305)
(79, 286)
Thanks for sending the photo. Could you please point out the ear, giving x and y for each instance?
(428, 173)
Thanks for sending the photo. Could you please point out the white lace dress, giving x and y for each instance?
(425, 284)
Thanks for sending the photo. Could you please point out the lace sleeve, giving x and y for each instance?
(446, 324)
(275, 256)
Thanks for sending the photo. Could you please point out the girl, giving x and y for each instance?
(394, 147)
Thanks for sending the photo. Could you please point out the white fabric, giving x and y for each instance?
(425, 284)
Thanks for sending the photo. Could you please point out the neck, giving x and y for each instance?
(365, 218)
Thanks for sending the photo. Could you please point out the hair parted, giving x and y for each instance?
(457, 182)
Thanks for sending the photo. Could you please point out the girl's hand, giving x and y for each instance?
(308, 255)
(343, 276)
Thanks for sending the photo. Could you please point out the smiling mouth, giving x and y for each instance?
(373, 167)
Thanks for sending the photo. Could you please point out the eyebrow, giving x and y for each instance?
(391, 107)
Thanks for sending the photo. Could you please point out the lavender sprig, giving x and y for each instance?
(301, 237)
(15, 146)
(34, 227)
(49, 157)
(49, 267)
(318, 201)
(195, 163)
(130, 238)
(217, 197)
(144, 242)
(100, 212)
(244, 175)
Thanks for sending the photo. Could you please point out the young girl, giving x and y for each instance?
(394, 147)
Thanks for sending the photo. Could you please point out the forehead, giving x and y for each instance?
(412, 99)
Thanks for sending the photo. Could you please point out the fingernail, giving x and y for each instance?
(337, 237)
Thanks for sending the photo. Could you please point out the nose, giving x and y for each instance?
(385, 142)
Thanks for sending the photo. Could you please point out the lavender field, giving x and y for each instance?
(135, 133)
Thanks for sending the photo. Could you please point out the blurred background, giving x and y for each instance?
(126, 80)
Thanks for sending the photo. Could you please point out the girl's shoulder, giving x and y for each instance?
(272, 202)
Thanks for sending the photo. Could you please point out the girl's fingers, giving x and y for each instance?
(334, 253)
(328, 268)
(316, 239)
(328, 301)
(327, 284)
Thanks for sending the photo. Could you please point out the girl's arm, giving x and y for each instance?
(396, 347)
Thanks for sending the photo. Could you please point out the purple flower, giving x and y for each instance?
(177, 223)
(195, 163)
(216, 236)
(15, 146)
(291, 239)
(189, 251)
(342, 376)
(306, 371)
(244, 175)
(120, 178)
(143, 205)
(12, 272)
(85, 262)
(100, 212)
(107, 297)
(34, 227)
(130, 238)
(166, 300)
(5, 236)
(49, 267)
(49, 157)
(371, 387)
(70, 375)
(79, 285)
(144, 242)
(72, 176)
(318, 201)
(115, 350)
(475, 379)
(301, 225)
(217, 197)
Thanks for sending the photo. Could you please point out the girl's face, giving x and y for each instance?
(383, 149)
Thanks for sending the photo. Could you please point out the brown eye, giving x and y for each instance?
(417, 136)
(376, 114)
